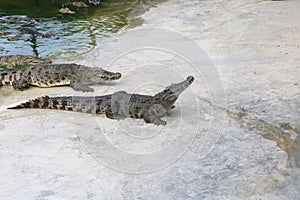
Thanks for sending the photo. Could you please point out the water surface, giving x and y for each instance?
(73, 34)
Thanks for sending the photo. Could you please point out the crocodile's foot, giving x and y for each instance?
(82, 88)
(78, 86)
(20, 85)
(153, 115)
(109, 114)
(154, 120)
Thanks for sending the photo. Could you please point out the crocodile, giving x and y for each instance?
(66, 10)
(32, 31)
(4, 33)
(77, 76)
(79, 4)
(118, 105)
(11, 61)
(14, 38)
(14, 19)
(95, 2)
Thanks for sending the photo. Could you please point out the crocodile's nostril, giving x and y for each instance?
(190, 79)
(118, 75)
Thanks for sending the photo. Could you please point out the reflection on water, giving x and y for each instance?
(72, 34)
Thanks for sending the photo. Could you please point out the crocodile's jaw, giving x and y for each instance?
(98, 78)
(97, 75)
(169, 95)
(177, 88)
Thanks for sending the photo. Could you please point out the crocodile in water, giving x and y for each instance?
(95, 2)
(11, 61)
(118, 105)
(15, 19)
(77, 76)
(33, 32)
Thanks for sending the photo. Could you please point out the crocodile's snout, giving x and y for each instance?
(115, 76)
(118, 75)
(111, 76)
(190, 79)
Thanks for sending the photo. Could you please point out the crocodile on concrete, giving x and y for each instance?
(79, 77)
(118, 105)
(11, 61)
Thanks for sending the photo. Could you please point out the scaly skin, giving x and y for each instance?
(22, 60)
(118, 105)
(77, 76)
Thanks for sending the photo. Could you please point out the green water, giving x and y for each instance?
(72, 34)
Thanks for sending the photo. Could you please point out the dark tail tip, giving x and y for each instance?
(22, 105)
(31, 103)
(18, 106)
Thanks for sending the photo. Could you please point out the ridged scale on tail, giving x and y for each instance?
(96, 105)
(7, 78)
(46, 102)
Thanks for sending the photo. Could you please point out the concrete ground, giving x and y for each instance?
(234, 134)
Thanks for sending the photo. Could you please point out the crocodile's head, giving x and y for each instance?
(97, 75)
(170, 94)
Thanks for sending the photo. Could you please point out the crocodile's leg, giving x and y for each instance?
(120, 105)
(109, 114)
(77, 85)
(153, 115)
(22, 83)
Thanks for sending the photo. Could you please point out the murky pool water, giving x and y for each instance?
(72, 34)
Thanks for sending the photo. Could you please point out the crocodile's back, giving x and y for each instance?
(51, 75)
(42, 76)
(20, 60)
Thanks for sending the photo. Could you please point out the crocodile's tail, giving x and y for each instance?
(69, 103)
(46, 102)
